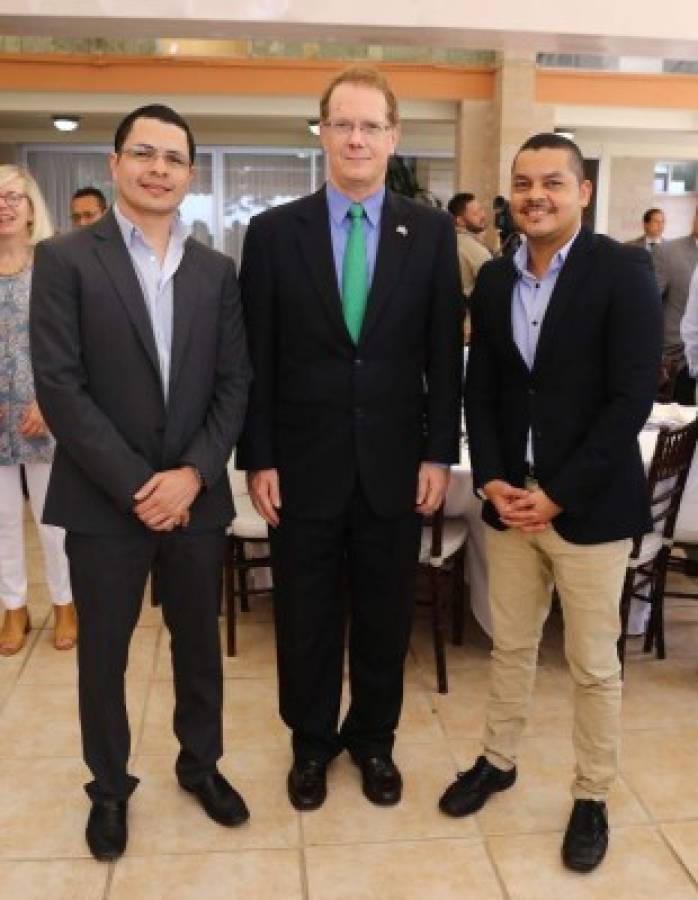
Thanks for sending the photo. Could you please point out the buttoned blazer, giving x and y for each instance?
(330, 415)
(587, 396)
(674, 264)
(98, 379)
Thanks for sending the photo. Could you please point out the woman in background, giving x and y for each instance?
(24, 438)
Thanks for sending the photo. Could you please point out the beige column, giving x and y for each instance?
(488, 133)
(517, 115)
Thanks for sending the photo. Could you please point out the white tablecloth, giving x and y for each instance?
(461, 501)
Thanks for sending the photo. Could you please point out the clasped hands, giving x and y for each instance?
(528, 510)
(163, 502)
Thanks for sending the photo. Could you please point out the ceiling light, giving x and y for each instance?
(314, 126)
(66, 123)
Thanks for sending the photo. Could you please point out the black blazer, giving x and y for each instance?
(590, 391)
(98, 380)
(323, 411)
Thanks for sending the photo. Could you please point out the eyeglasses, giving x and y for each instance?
(370, 130)
(145, 153)
(13, 198)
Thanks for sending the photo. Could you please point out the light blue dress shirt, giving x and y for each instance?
(689, 326)
(340, 226)
(156, 282)
(529, 303)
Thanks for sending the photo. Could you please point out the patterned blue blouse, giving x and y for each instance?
(16, 380)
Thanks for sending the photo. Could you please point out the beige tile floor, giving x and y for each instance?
(349, 849)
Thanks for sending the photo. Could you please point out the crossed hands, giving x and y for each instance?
(163, 502)
(530, 511)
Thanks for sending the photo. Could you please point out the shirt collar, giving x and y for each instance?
(338, 205)
(131, 232)
(520, 258)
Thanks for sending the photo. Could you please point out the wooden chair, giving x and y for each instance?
(248, 527)
(645, 577)
(442, 555)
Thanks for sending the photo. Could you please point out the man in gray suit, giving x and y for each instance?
(674, 263)
(142, 375)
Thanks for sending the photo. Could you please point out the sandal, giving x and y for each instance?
(65, 635)
(15, 628)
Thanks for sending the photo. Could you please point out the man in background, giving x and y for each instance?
(674, 264)
(653, 223)
(470, 221)
(87, 206)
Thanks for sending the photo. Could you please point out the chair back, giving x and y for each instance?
(667, 476)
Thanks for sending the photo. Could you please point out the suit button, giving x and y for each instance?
(531, 392)
(358, 412)
(358, 361)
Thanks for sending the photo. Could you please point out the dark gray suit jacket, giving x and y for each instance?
(98, 380)
(674, 262)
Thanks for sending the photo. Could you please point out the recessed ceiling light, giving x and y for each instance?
(66, 123)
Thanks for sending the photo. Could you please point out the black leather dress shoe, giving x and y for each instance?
(586, 838)
(380, 779)
(219, 799)
(307, 784)
(471, 790)
(107, 831)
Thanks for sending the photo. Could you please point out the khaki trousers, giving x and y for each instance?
(589, 580)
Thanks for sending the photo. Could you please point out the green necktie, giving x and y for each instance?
(355, 273)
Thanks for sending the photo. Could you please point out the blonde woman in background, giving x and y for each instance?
(24, 438)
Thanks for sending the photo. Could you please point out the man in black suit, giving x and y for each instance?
(352, 305)
(142, 373)
(552, 427)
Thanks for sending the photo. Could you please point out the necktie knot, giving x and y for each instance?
(356, 211)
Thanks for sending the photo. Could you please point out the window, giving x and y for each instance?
(230, 185)
(676, 178)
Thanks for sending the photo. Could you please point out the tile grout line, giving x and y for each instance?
(497, 874)
(35, 637)
(146, 701)
(677, 856)
(109, 880)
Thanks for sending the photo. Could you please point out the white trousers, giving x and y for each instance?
(13, 568)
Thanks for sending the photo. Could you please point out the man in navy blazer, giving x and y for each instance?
(561, 377)
(349, 434)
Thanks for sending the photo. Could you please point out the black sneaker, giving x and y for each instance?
(586, 838)
(471, 790)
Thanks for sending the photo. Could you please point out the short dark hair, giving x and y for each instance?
(162, 114)
(653, 210)
(92, 192)
(458, 203)
(548, 140)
